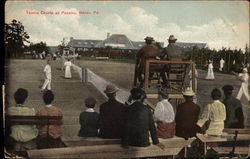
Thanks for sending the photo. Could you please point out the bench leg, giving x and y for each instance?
(205, 149)
(185, 151)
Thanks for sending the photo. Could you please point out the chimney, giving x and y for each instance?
(71, 38)
(108, 34)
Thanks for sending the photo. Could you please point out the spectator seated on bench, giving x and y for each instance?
(89, 119)
(235, 117)
(187, 115)
(20, 133)
(164, 117)
(139, 122)
(49, 135)
(111, 115)
(214, 112)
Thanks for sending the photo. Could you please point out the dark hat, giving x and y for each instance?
(149, 38)
(136, 93)
(110, 89)
(90, 101)
(171, 37)
(228, 88)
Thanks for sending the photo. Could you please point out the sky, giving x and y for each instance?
(216, 23)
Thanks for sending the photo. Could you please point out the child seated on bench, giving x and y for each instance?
(89, 119)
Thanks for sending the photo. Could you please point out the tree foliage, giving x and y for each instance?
(39, 47)
(14, 38)
(62, 46)
(234, 59)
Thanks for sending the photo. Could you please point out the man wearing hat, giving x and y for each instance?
(173, 53)
(187, 115)
(89, 119)
(149, 51)
(139, 122)
(234, 113)
(111, 115)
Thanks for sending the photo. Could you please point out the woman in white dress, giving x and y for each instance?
(243, 94)
(210, 72)
(67, 66)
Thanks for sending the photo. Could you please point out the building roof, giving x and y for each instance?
(83, 43)
(117, 41)
(121, 41)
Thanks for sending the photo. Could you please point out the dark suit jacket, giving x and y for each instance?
(174, 52)
(146, 52)
(234, 117)
(89, 124)
(138, 123)
(111, 119)
(186, 118)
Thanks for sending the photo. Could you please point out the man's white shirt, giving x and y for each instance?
(47, 71)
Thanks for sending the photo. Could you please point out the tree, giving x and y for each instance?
(39, 47)
(14, 39)
(62, 46)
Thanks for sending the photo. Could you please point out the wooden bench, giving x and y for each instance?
(88, 141)
(112, 151)
(11, 120)
(32, 120)
(229, 135)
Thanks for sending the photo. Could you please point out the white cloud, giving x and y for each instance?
(115, 24)
(136, 23)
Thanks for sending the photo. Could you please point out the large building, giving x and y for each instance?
(120, 41)
(116, 41)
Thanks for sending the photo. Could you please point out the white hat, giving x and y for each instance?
(188, 92)
(245, 69)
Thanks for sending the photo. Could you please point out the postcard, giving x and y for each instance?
(72, 67)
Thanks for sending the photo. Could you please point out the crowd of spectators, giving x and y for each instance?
(133, 122)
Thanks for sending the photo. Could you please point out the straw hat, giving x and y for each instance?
(188, 92)
(149, 38)
(110, 89)
(245, 70)
(171, 37)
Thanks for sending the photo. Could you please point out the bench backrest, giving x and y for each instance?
(32, 120)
